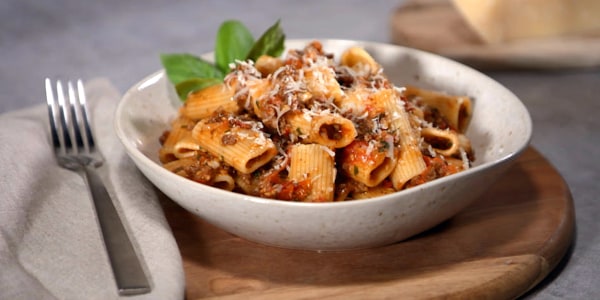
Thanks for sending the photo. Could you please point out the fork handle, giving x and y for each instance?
(125, 264)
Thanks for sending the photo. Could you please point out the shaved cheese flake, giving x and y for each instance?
(328, 150)
(465, 159)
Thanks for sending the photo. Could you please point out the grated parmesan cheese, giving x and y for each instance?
(465, 159)
(370, 147)
(329, 151)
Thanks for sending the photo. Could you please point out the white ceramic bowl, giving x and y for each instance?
(500, 130)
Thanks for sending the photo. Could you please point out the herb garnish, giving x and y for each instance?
(234, 41)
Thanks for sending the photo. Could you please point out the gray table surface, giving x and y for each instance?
(121, 40)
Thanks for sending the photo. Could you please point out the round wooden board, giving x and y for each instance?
(437, 26)
(498, 248)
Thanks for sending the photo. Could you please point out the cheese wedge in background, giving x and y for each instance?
(498, 21)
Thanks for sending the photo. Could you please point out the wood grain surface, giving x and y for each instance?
(498, 248)
(437, 26)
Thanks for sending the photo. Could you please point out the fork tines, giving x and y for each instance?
(69, 122)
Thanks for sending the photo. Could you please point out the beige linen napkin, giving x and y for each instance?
(50, 243)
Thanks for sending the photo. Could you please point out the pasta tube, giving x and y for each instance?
(245, 149)
(179, 166)
(359, 59)
(321, 82)
(314, 163)
(180, 128)
(369, 162)
(373, 192)
(457, 110)
(266, 64)
(224, 181)
(204, 169)
(258, 90)
(444, 142)
(327, 129)
(410, 161)
(203, 103)
(355, 101)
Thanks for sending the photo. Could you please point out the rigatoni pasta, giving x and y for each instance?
(304, 127)
(410, 162)
(203, 103)
(455, 110)
(327, 129)
(237, 142)
(181, 128)
(313, 163)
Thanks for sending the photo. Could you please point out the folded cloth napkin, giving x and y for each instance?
(50, 242)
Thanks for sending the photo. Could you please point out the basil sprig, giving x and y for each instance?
(190, 73)
(270, 43)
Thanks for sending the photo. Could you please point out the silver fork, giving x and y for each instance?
(75, 150)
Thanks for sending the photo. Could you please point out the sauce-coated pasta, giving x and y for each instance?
(307, 128)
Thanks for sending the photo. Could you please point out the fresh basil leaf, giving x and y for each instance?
(184, 88)
(181, 67)
(270, 43)
(233, 42)
(190, 73)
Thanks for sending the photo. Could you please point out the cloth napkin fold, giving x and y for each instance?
(50, 242)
